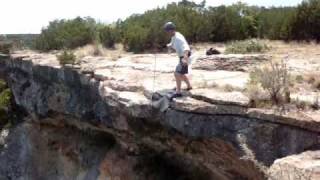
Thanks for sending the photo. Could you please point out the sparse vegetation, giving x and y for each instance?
(5, 48)
(301, 105)
(205, 84)
(306, 104)
(67, 57)
(230, 88)
(299, 79)
(313, 79)
(99, 50)
(254, 91)
(247, 46)
(275, 79)
(258, 97)
(95, 49)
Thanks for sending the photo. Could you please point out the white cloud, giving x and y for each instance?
(29, 16)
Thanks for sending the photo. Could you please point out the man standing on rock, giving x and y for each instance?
(181, 46)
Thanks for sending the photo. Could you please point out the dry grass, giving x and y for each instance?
(314, 80)
(247, 46)
(204, 84)
(99, 50)
(259, 98)
(316, 104)
(230, 88)
(299, 79)
(302, 104)
(66, 57)
(203, 47)
(309, 82)
(275, 79)
(298, 52)
(5, 48)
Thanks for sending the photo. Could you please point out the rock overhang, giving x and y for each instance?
(114, 95)
(134, 86)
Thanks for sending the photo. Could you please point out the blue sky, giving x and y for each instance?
(29, 16)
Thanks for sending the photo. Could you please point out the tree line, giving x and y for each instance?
(198, 22)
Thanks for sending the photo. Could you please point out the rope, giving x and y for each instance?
(154, 75)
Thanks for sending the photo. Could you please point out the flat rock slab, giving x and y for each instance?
(232, 62)
(102, 74)
(188, 104)
(219, 78)
(305, 166)
(306, 120)
(218, 97)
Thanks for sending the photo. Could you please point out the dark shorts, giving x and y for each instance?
(181, 67)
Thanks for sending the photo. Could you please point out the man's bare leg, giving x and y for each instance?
(178, 82)
(186, 80)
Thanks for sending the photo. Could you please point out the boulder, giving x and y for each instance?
(304, 166)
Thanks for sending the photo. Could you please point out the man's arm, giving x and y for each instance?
(170, 43)
(185, 57)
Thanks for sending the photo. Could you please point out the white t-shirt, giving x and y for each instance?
(179, 44)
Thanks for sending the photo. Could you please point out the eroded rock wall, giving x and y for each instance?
(184, 143)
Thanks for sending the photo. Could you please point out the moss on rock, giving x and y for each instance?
(5, 101)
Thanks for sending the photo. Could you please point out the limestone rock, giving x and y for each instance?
(196, 106)
(209, 133)
(305, 166)
(218, 97)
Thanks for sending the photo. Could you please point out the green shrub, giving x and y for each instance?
(305, 24)
(3, 85)
(197, 21)
(247, 46)
(61, 34)
(136, 38)
(275, 79)
(108, 36)
(5, 101)
(67, 57)
(5, 98)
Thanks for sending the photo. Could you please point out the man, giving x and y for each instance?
(181, 46)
